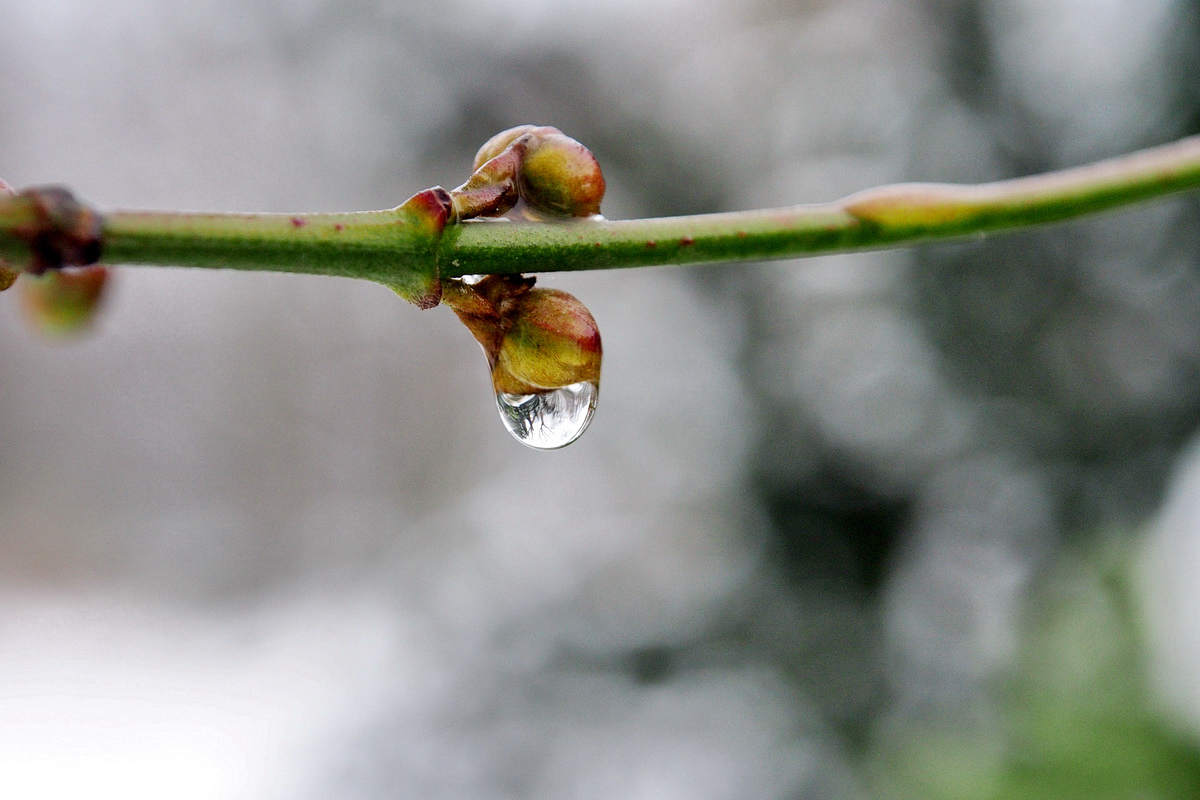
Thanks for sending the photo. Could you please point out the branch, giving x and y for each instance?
(887, 216)
(542, 345)
(405, 247)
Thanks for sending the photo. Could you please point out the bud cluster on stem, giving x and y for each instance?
(537, 341)
(548, 172)
(60, 233)
(542, 344)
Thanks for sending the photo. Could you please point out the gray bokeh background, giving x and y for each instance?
(262, 536)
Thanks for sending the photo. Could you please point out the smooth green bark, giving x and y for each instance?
(399, 247)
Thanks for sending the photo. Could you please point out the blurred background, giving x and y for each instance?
(903, 524)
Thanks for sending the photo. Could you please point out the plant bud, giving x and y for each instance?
(8, 274)
(551, 172)
(427, 213)
(63, 303)
(543, 348)
(492, 188)
(551, 341)
(501, 141)
(534, 339)
(61, 231)
(560, 176)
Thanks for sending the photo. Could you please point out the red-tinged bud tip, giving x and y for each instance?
(63, 303)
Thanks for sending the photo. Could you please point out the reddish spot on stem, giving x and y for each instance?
(598, 244)
(339, 227)
(651, 243)
(687, 241)
(298, 223)
(741, 234)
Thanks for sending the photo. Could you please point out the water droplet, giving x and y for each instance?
(549, 420)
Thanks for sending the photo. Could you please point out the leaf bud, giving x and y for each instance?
(502, 140)
(535, 340)
(552, 341)
(560, 176)
(62, 303)
(551, 173)
(59, 229)
(8, 273)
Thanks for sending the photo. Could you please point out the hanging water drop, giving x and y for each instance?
(551, 419)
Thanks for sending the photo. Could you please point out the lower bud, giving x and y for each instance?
(543, 347)
(552, 341)
(63, 303)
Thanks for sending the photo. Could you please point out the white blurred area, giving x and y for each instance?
(106, 698)
(263, 536)
(1170, 585)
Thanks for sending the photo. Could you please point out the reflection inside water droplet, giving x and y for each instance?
(548, 420)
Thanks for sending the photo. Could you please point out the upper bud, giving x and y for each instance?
(560, 176)
(501, 141)
(551, 172)
(60, 230)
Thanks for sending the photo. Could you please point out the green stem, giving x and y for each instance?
(882, 217)
(355, 245)
(397, 247)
